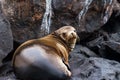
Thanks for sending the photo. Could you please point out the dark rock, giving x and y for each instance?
(94, 69)
(96, 42)
(62, 5)
(25, 17)
(2, 55)
(115, 37)
(110, 48)
(90, 14)
(6, 38)
(97, 46)
(109, 52)
(85, 51)
(118, 1)
(10, 55)
(6, 72)
(107, 46)
(112, 26)
(77, 52)
(113, 45)
(7, 78)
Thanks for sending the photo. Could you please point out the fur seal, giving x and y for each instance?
(45, 58)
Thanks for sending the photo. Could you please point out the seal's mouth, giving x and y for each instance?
(71, 43)
(72, 46)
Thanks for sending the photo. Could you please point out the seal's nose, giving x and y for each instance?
(74, 34)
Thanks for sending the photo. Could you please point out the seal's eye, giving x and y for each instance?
(64, 34)
(75, 30)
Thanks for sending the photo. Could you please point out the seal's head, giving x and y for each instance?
(68, 35)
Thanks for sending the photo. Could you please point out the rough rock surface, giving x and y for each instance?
(29, 17)
(25, 16)
(6, 38)
(84, 51)
(107, 46)
(95, 69)
(85, 15)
